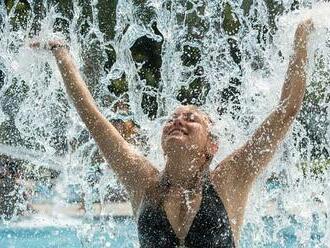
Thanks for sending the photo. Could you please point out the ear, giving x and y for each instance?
(212, 148)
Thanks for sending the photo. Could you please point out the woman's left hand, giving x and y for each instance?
(49, 45)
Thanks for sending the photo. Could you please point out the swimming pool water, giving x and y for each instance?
(124, 234)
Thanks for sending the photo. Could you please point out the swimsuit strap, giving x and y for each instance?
(210, 228)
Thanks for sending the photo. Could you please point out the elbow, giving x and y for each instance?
(293, 111)
(290, 112)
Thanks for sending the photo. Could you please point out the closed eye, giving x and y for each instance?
(191, 117)
(170, 120)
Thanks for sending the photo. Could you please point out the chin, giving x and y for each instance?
(174, 144)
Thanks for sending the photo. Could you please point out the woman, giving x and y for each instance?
(188, 205)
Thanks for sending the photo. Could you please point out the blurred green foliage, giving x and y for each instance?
(315, 168)
(145, 50)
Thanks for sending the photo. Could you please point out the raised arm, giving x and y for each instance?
(242, 167)
(133, 170)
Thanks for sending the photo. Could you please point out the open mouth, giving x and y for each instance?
(177, 131)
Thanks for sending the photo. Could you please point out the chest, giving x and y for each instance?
(181, 210)
(170, 224)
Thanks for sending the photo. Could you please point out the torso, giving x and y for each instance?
(171, 223)
(181, 209)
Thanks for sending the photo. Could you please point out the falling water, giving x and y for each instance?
(237, 54)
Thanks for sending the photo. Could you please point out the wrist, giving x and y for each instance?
(60, 51)
(300, 46)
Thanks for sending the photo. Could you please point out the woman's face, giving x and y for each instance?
(187, 128)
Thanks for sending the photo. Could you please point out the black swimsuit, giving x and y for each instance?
(210, 228)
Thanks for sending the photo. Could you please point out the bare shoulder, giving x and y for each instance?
(150, 189)
(227, 174)
(233, 194)
(229, 182)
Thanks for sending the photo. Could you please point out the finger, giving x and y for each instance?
(56, 43)
(34, 44)
(308, 24)
(41, 45)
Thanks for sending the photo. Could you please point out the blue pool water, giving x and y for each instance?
(123, 235)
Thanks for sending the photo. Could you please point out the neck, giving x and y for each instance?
(185, 172)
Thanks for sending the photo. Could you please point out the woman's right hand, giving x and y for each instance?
(302, 33)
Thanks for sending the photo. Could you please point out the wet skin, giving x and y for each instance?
(187, 144)
(187, 130)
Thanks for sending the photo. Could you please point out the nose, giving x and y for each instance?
(178, 120)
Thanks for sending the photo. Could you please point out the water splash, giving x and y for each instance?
(236, 53)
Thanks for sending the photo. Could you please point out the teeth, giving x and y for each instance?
(177, 130)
